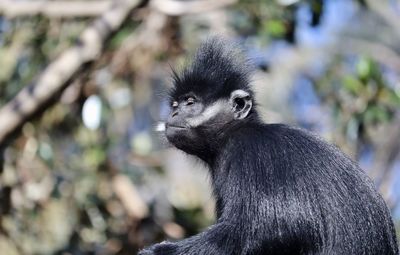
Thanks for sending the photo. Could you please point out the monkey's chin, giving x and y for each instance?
(179, 136)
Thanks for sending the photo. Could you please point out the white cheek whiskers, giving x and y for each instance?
(209, 113)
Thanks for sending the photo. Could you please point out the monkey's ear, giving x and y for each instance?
(241, 103)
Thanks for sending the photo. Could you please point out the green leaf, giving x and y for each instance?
(275, 28)
(364, 68)
(352, 84)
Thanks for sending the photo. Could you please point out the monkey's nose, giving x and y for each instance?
(175, 113)
(176, 119)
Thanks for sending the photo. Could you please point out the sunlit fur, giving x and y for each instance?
(278, 189)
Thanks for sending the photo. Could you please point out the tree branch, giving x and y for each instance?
(73, 9)
(378, 51)
(57, 75)
(383, 9)
(176, 8)
(127, 193)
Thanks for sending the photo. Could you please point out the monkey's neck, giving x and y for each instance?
(215, 144)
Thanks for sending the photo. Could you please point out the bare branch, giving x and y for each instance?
(383, 9)
(54, 8)
(378, 51)
(146, 39)
(387, 152)
(72, 9)
(176, 8)
(127, 193)
(57, 75)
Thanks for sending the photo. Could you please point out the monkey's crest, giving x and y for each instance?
(217, 69)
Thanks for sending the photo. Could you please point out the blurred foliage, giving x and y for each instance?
(91, 176)
(360, 97)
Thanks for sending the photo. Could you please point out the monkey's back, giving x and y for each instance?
(314, 198)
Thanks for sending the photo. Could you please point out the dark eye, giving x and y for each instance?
(190, 101)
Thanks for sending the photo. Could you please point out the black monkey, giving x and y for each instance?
(278, 189)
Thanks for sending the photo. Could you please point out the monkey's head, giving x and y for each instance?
(210, 97)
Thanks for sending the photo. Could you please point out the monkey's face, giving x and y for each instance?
(209, 96)
(195, 123)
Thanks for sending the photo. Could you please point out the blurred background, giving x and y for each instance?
(82, 88)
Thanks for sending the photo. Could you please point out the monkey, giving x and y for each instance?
(278, 189)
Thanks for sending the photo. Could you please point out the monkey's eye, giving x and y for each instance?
(175, 104)
(190, 101)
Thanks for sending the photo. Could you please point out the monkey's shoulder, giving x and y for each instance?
(281, 142)
(280, 153)
(259, 133)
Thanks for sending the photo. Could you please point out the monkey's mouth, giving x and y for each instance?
(176, 127)
(176, 132)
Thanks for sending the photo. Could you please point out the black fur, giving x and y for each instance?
(214, 72)
(278, 189)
